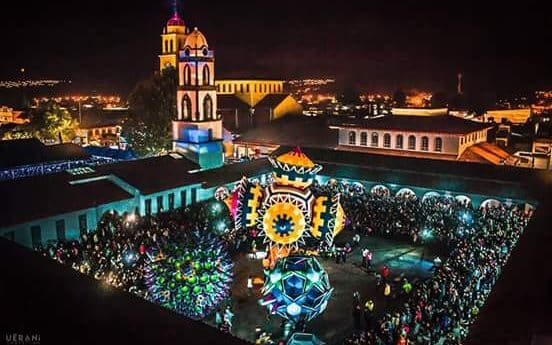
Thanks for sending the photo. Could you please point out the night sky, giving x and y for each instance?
(109, 45)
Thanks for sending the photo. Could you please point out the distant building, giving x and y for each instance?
(9, 115)
(249, 103)
(515, 116)
(101, 128)
(437, 137)
(419, 111)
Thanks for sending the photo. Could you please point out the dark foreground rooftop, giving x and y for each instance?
(21, 152)
(62, 306)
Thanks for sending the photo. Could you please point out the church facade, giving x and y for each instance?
(197, 127)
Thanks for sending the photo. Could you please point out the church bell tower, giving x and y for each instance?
(197, 130)
(172, 40)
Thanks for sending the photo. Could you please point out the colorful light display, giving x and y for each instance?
(286, 211)
(297, 288)
(192, 279)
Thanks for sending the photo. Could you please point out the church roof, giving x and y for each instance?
(427, 124)
(272, 100)
(175, 20)
(196, 40)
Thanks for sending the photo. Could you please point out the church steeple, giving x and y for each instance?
(172, 39)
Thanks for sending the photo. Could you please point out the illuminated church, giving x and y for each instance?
(197, 129)
(241, 104)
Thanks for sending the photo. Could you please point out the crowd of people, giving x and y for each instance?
(437, 310)
(118, 250)
(440, 309)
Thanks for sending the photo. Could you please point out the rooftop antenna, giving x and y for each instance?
(459, 84)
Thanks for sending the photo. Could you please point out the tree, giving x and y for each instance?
(399, 98)
(57, 123)
(152, 106)
(50, 124)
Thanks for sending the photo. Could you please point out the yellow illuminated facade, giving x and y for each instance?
(508, 115)
(250, 92)
(419, 111)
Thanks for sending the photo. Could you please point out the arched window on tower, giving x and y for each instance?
(187, 75)
(208, 108)
(186, 108)
(206, 75)
(172, 46)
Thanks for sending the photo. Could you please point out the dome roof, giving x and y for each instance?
(175, 21)
(195, 40)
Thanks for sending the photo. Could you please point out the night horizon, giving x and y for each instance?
(110, 46)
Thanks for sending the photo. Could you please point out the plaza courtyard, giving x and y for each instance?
(336, 323)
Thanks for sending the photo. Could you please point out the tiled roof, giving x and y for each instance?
(427, 124)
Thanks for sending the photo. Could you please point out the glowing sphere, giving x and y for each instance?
(297, 288)
(192, 279)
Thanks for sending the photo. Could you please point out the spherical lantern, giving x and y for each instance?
(192, 279)
(297, 288)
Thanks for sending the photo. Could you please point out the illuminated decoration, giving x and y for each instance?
(191, 279)
(297, 288)
(286, 211)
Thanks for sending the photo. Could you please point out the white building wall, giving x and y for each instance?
(449, 142)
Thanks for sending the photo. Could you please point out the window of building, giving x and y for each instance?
(187, 75)
(147, 206)
(10, 235)
(223, 87)
(387, 140)
(36, 236)
(186, 107)
(412, 142)
(172, 46)
(375, 139)
(60, 229)
(208, 107)
(183, 194)
(425, 143)
(399, 141)
(247, 88)
(438, 144)
(241, 88)
(166, 46)
(363, 139)
(160, 207)
(171, 201)
(461, 140)
(83, 224)
(352, 138)
(206, 75)
(255, 88)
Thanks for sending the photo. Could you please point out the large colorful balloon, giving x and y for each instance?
(192, 279)
(297, 288)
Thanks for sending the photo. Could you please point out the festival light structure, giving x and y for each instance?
(191, 279)
(286, 212)
(297, 288)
